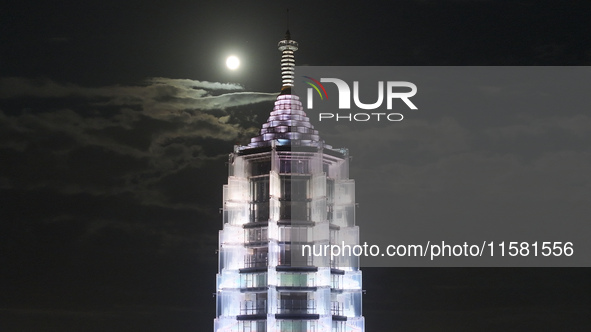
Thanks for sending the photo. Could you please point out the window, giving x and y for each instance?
(284, 254)
(252, 280)
(290, 210)
(293, 234)
(257, 257)
(294, 188)
(256, 235)
(259, 167)
(296, 302)
(336, 281)
(294, 166)
(259, 212)
(338, 326)
(259, 189)
(254, 304)
(295, 279)
(252, 326)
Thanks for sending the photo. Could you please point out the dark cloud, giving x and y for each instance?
(123, 138)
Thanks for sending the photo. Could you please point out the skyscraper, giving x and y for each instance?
(287, 189)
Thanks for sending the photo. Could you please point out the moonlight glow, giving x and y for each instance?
(232, 62)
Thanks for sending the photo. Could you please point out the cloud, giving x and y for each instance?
(113, 140)
(13, 87)
(187, 83)
(157, 96)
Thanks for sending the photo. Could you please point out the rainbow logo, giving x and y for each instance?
(315, 86)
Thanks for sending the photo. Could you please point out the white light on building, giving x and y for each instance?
(286, 189)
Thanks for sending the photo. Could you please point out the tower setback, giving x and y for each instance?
(288, 189)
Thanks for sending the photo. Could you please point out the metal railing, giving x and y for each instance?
(336, 308)
(255, 307)
(296, 306)
(257, 260)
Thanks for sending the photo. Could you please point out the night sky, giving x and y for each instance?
(117, 117)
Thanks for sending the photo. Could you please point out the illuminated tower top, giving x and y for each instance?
(287, 124)
(286, 190)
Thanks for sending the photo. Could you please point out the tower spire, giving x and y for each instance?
(287, 15)
(287, 47)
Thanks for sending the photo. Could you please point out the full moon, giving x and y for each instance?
(232, 62)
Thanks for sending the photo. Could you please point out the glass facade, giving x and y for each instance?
(287, 189)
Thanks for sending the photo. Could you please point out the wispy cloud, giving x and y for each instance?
(120, 139)
(156, 95)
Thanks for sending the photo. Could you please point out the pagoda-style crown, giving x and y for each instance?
(288, 124)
